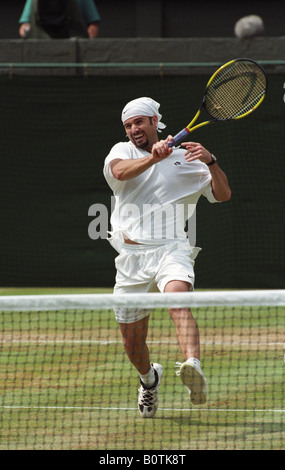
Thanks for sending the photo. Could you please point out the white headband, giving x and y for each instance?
(143, 107)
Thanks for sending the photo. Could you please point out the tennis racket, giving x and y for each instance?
(235, 90)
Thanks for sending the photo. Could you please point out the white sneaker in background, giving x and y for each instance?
(194, 379)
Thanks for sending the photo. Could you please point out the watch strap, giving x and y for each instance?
(213, 160)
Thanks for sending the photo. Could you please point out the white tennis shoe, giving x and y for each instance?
(193, 377)
(148, 397)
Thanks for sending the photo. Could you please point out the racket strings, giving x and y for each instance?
(235, 90)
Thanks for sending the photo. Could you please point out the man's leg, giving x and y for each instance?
(186, 327)
(189, 342)
(134, 338)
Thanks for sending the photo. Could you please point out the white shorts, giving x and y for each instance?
(148, 268)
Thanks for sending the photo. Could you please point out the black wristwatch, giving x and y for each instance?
(213, 160)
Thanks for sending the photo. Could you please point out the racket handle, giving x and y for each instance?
(180, 136)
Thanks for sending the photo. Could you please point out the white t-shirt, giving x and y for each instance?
(153, 207)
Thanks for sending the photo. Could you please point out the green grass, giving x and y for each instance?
(52, 290)
(65, 382)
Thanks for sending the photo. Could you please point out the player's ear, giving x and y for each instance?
(154, 120)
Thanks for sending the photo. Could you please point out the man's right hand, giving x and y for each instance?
(161, 150)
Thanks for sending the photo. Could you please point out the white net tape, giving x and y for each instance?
(109, 301)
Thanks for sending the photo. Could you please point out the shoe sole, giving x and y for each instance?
(193, 380)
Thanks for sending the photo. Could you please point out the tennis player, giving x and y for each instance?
(151, 182)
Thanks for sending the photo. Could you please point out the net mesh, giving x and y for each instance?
(235, 90)
(66, 382)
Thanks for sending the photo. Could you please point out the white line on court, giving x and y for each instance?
(107, 342)
(113, 408)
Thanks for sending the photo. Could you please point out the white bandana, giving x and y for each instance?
(143, 107)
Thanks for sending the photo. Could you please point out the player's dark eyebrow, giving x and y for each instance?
(136, 120)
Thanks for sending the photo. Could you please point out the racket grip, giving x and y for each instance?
(178, 137)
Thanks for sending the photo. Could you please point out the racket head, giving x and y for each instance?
(235, 90)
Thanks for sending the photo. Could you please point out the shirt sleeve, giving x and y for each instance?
(208, 193)
(26, 13)
(121, 151)
(89, 11)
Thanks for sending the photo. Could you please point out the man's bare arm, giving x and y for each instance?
(220, 185)
(127, 169)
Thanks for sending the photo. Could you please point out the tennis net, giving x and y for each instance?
(66, 382)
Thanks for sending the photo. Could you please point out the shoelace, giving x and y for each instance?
(178, 364)
(146, 396)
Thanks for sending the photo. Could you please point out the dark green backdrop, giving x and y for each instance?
(55, 134)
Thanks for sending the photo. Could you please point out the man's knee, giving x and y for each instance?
(178, 286)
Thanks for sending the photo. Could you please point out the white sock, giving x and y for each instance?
(194, 362)
(149, 378)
